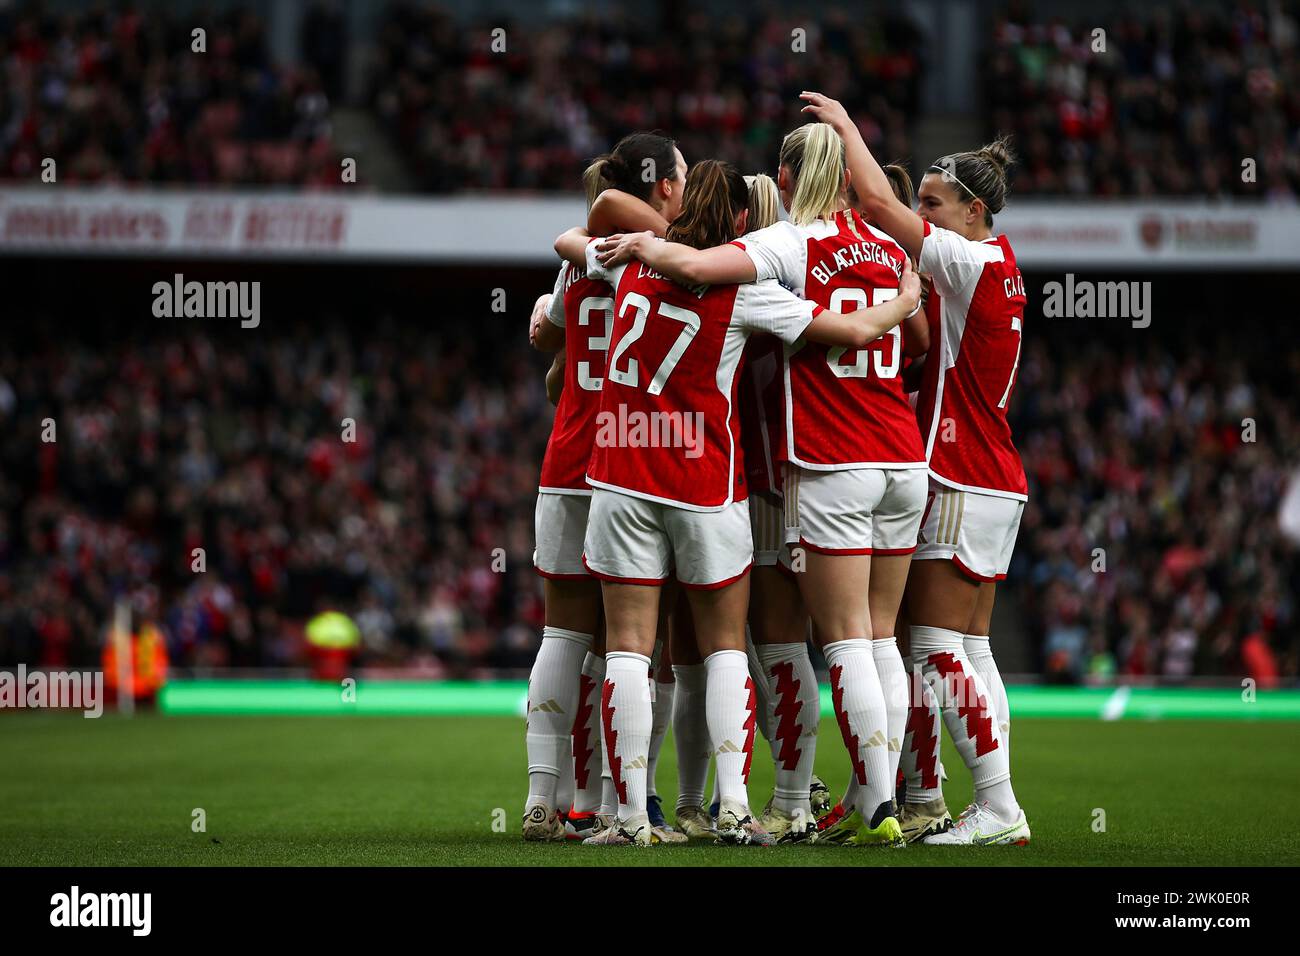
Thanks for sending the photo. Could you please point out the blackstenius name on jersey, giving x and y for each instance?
(856, 254)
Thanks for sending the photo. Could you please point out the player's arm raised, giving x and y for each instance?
(682, 263)
(860, 328)
(869, 180)
(916, 328)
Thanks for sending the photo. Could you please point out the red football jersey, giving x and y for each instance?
(975, 331)
(844, 409)
(585, 309)
(762, 412)
(667, 429)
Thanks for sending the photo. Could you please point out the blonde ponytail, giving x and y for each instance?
(594, 182)
(814, 155)
(764, 201)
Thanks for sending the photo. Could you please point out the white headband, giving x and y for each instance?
(949, 174)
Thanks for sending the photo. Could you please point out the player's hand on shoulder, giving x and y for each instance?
(620, 248)
(909, 286)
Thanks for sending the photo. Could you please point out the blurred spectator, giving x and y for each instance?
(234, 446)
(1175, 103)
(1150, 545)
(725, 87)
(120, 97)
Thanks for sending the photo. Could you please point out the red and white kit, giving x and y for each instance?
(584, 308)
(666, 468)
(762, 436)
(848, 431)
(977, 481)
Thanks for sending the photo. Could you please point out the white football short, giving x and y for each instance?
(977, 532)
(634, 541)
(560, 522)
(855, 511)
(767, 522)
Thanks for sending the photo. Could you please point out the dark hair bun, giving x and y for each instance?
(999, 153)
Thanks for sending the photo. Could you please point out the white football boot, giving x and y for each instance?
(980, 826)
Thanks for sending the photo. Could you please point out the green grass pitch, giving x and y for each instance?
(426, 790)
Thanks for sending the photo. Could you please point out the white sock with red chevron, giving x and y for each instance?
(691, 734)
(661, 707)
(980, 652)
(625, 712)
(893, 683)
(732, 710)
(963, 699)
(552, 698)
(586, 736)
(795, 702)
(761, 689)
(920, 757)
(860, 710)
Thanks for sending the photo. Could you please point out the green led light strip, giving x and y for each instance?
(506, 698)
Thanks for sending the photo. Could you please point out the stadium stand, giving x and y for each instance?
(1171, 107)
(1177, 100)
(232, 444)
(1143, 457)
(528, 119)
(116, 98)
(170, 440)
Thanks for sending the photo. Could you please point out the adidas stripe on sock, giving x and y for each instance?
(627, 718)
(732, 711)
(552, 699)
(860, 710)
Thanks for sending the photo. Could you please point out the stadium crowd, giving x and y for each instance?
(726, 88)
(116, 95)
(1172, 106)
(1150, 544)
(236, 445)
